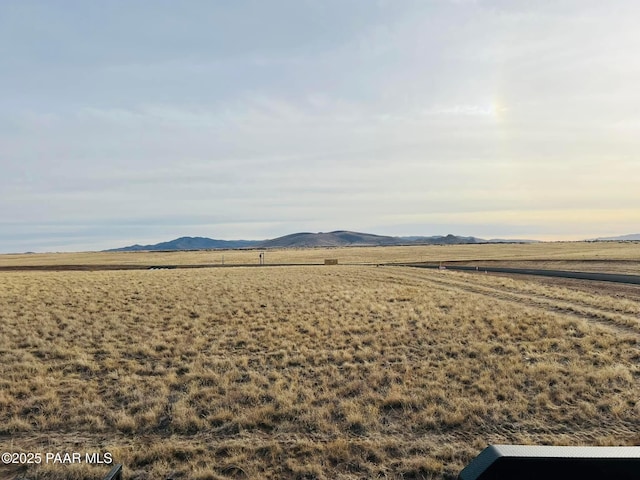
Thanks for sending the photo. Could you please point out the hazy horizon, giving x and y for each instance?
(124, 123)
(155, 242)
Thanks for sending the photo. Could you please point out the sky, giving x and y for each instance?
(140, 121)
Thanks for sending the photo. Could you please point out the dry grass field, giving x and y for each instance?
(310, 372)
(547, 255)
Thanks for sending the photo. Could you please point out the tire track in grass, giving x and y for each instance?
(453, 450)
(89, 441)
(611, 319)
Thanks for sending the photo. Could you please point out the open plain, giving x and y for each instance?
(310, 371)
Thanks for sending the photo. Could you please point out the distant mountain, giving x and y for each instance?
(339, 238)
(440, 240)
(343, 238)
(621, 238)
(506, 240)
(189, 243)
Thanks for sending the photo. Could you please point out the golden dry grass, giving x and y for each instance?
(548, 252)
(305, 372)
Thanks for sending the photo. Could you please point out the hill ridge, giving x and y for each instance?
(336, 238)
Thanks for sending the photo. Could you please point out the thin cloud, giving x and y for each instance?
(348, 113)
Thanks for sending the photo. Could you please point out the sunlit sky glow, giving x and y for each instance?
(141, 121)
